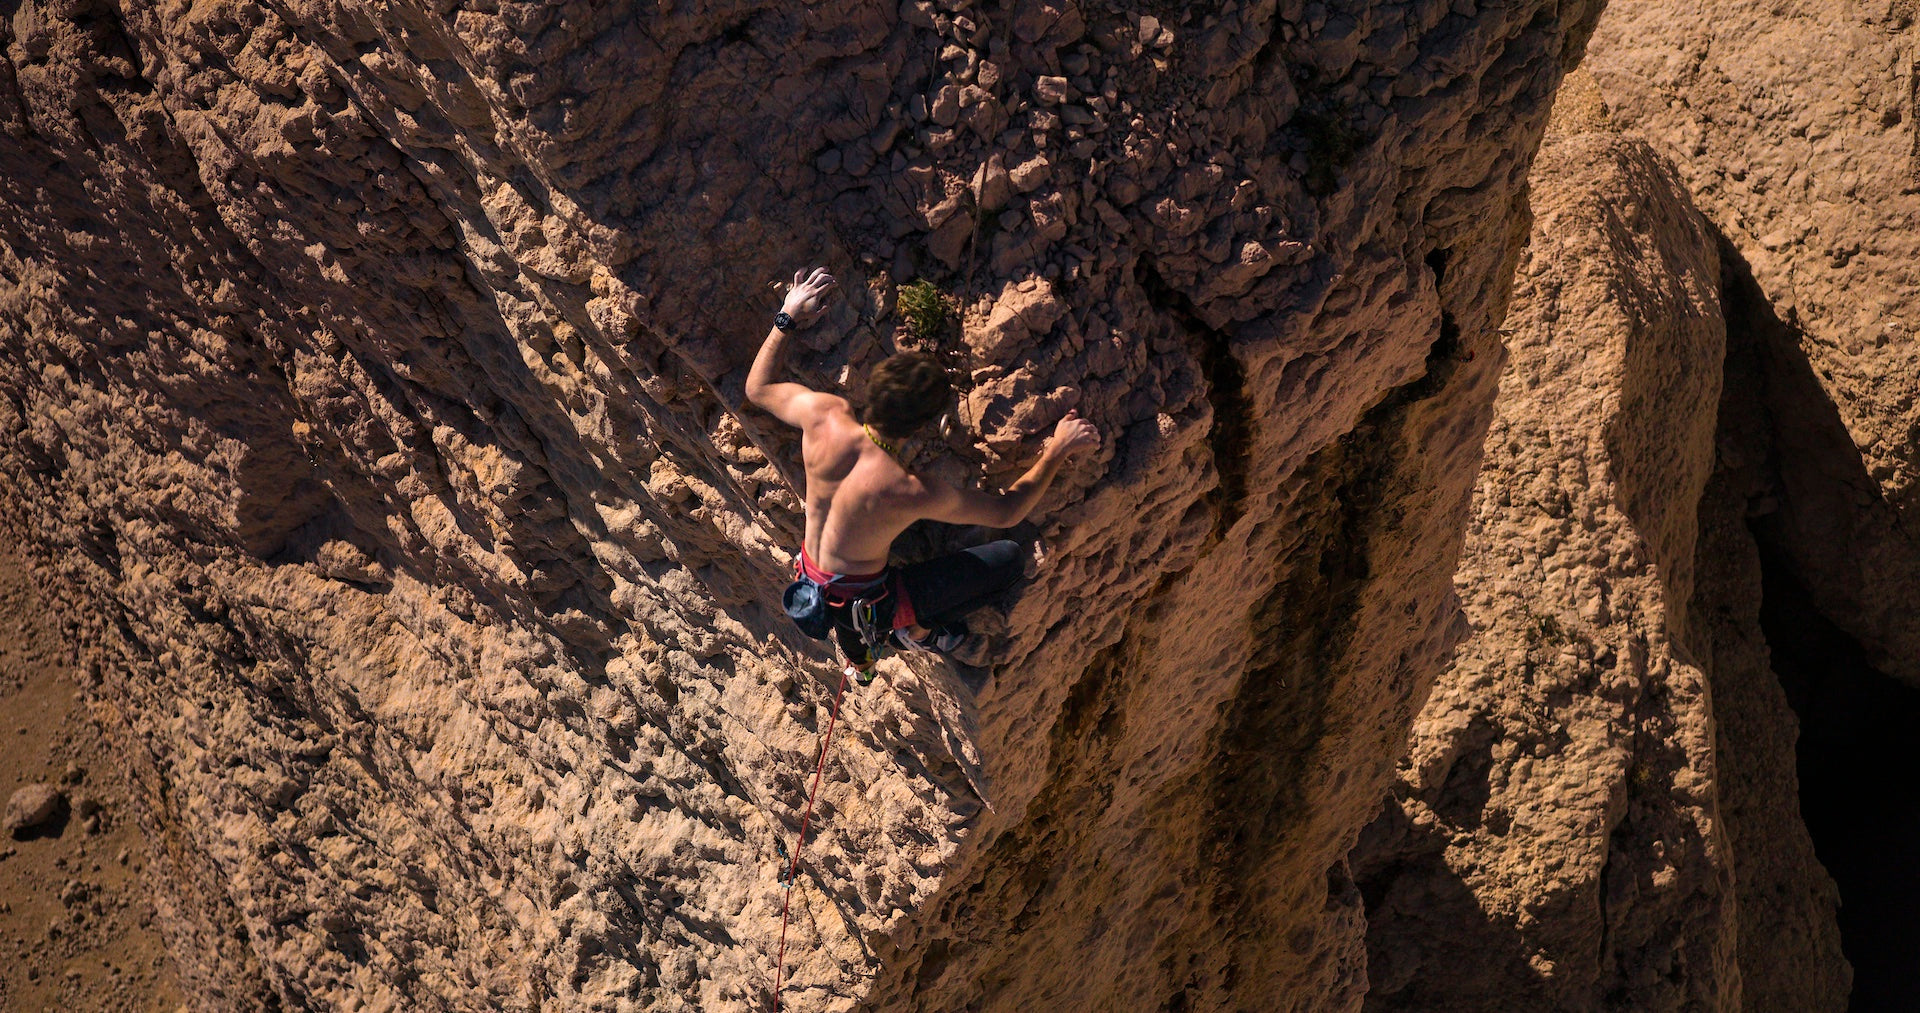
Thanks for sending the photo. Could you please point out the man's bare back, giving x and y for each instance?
(858, 497)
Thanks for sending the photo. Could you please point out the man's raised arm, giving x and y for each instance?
(788, 401)
(1005, 509)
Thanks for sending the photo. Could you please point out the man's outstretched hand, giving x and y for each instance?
(809, 294)
(1073, 435)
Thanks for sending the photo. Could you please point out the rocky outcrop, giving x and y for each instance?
(1648, 849)
(373, 380)
(1796, 137)
(1554, 841)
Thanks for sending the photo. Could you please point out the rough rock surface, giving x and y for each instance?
(372, 378)
(1799, 137)
(31, 806)
(1648, 850)
(1553, 842)
(1796, 135)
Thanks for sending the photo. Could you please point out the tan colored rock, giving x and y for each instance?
(1052, 90)
(1600, 807)
(948, 243)
(473, 693)
(1030, 174)
(1024, 309)
(992, 185)
(1795, 135)
(1553, 842)
(30, 807)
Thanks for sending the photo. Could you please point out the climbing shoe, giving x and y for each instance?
(940, 640)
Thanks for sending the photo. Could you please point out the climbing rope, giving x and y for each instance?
(793, 862)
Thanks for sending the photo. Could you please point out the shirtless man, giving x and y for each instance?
(860, 494)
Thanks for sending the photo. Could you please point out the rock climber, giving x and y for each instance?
(860, 495)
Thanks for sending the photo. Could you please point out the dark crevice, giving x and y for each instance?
(1326, 130)
(1012, 898)
(1859, 782)
(1232, 434)
(1079, 750)
(1304, 628)
(1812, 509)
(738, 33)
(1091, 704)
(107, 27)
(1448, 347)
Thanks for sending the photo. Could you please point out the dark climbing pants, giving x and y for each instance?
(947, 587)
(942, 589)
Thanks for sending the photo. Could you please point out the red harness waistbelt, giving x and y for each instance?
(841, 588)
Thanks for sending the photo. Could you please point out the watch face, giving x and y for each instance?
(783, 320)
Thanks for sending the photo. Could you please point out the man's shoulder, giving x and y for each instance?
(923, 492)
(821, 408)
(830, 433)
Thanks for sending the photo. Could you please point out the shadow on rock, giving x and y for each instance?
(1423, 914)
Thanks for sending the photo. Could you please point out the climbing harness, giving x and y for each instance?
(814, 593)
(793, 863)
(865, 614)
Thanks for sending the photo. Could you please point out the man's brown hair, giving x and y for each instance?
(905, 391)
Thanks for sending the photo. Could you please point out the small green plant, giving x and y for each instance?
(925, 311)
(1546, 629)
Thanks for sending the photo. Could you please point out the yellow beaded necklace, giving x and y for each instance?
(878, 442)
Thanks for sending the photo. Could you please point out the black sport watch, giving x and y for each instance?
(783, 321)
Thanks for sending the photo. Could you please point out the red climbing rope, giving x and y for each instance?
(793, 862)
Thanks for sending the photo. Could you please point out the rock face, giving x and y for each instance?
(1603, 789)
(1601, 792)
(373, 379)
(1554, 836)
(1796, 136)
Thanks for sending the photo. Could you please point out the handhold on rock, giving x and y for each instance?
(949, 241)
(992, 185)
(1029, 174)
(32, 807)
(1024, 308)
(984, 113)
(946, 106)
(1060, 19)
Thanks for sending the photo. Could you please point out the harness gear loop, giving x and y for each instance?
(793, 866)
